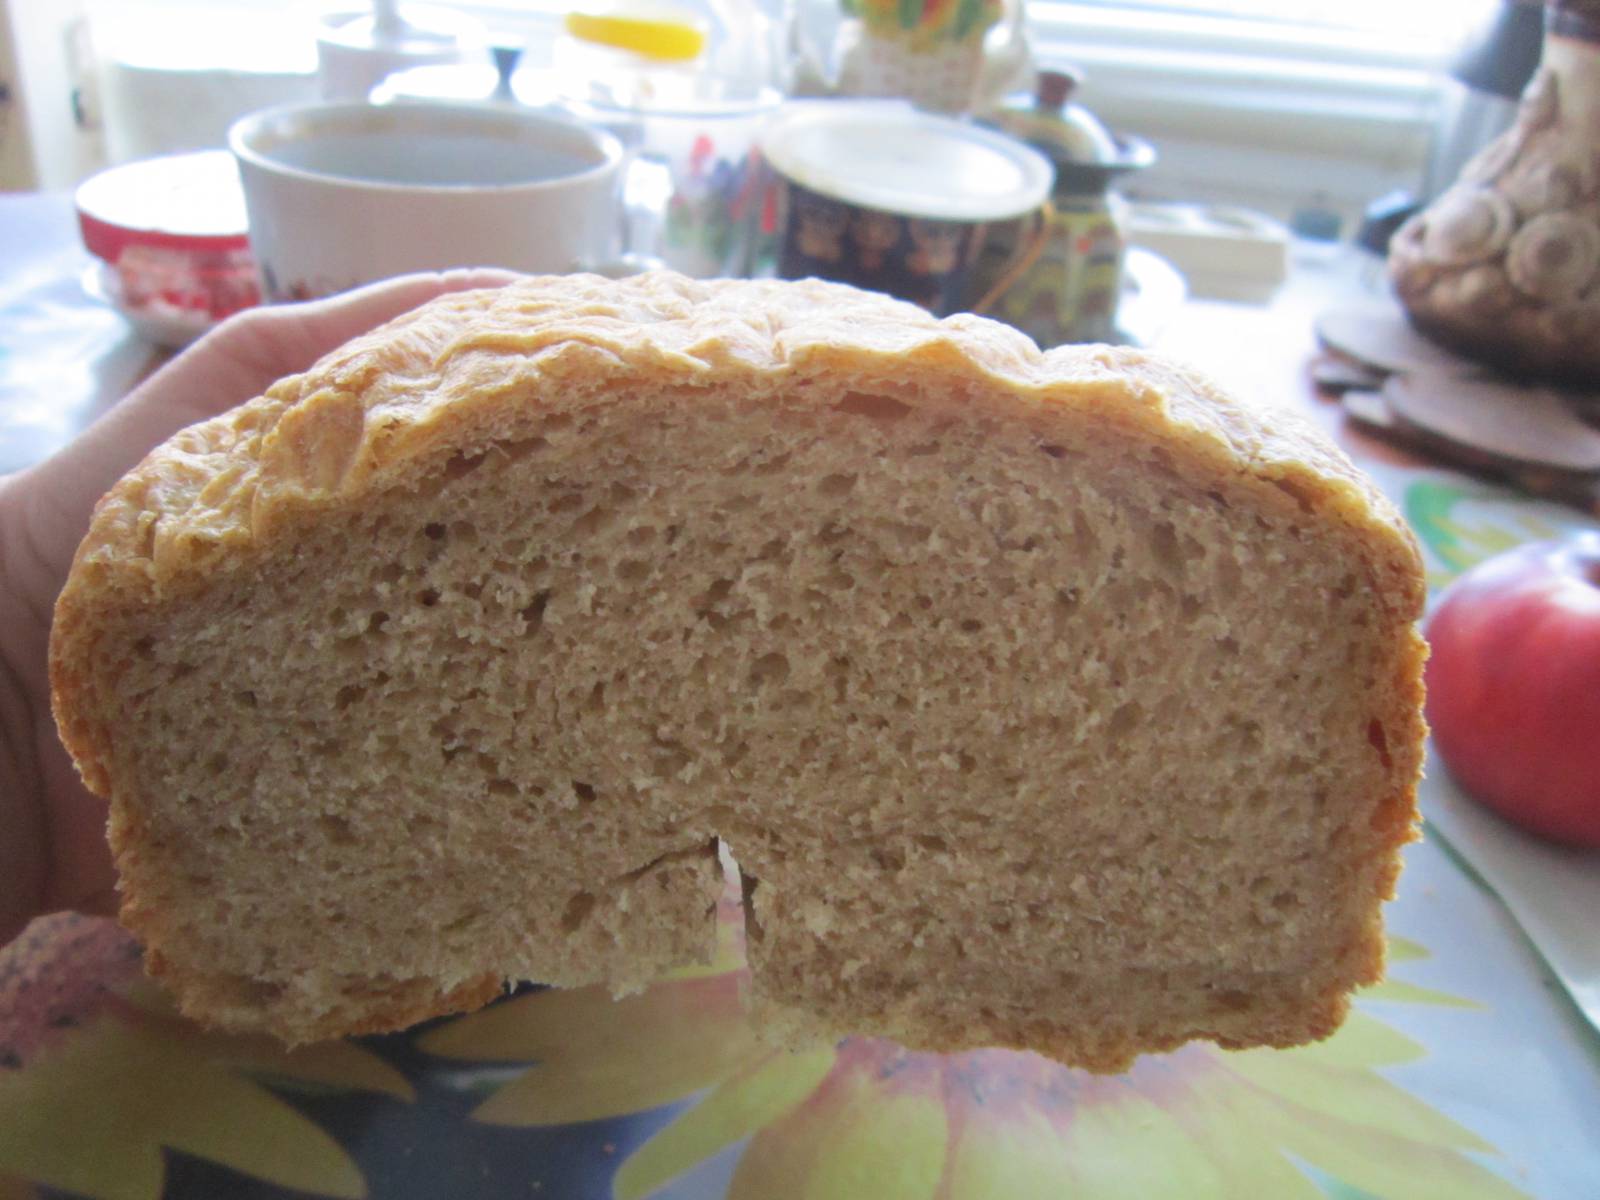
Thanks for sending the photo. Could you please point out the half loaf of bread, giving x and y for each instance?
(1042, 700)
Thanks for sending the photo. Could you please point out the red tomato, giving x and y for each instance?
(1514, 686)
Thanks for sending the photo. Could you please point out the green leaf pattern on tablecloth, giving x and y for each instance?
(102, 1077)
(1461, 523)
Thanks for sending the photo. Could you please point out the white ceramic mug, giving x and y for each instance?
(345, 194)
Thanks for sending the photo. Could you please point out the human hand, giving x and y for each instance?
(53, 852)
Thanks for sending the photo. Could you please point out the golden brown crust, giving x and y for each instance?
(384, 405)
(389, 408)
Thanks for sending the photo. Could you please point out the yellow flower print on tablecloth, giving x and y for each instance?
(98, 1077)
(868, 1118)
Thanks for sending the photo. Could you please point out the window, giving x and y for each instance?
(1273, 104)
(1437, 22)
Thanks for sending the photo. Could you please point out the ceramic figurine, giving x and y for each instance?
(1504, 266)
(942, 55)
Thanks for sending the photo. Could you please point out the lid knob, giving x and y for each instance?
(1055, 88)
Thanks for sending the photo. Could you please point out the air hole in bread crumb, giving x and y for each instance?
(670, 758)
(533, 614)
(1054, 451)
(889, 859)
(1166, 550)
(633, 570)
(577, 912)
(336, 829)
(428, 597)
(377, 621)
(877, 408)
(1124, 720)
(463, 921)
(769, 669)
(1379, 742)
(594, 521)
(583, 791)
(350, 693)
(1084, 538)
(931, 843)
(501, 787)
(971, 625)
(145, 646)
(246, 699)
(464, 464)
(434, 531)
(1244, 736)
(835, 485)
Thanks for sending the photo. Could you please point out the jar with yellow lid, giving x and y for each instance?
(688, 91)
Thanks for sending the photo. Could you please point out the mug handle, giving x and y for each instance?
(1044, 217)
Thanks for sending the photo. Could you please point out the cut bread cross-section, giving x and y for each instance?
(1042, 700)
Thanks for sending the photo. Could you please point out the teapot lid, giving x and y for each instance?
(1064, 131)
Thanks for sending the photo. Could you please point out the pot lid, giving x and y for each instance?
(1065, 132)
(180, 201)
(896, 159)
(1086, 155)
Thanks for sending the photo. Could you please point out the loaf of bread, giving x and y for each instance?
(1042, 700)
